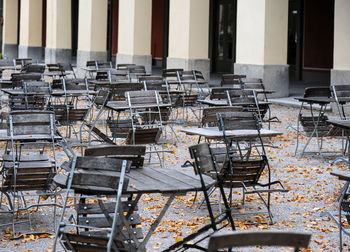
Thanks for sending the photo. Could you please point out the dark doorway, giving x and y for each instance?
(112, 32)
(75, 18)
(43, 30)
(310, 41)
(159, 33)
(223, 18)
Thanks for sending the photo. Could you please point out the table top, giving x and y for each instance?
(224, 103)
(122, 105)
(11, 91)
(344, 124)
(36, 137)
(155, 180)
(318, 100)
(215, 133)
(53, 73)
(342, 175)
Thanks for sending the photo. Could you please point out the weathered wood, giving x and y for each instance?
(270, 238)
(107, 150)
(100, 163)
(100, 221)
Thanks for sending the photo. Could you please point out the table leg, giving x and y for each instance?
(155, 224)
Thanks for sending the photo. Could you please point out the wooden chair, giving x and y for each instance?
(99, 224)
(341, 94)
(133, 153)
(307, 120)
(33, 68)
(25, 167)
(17, 79)
(267, 238)
(205, 164)
(21, 62)
(258, 86)
(248, 100)
(244, 171)
(36, 95)
(232, 80)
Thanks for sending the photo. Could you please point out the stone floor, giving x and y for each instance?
(313, 192)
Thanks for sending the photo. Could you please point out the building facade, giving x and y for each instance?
(280, 41)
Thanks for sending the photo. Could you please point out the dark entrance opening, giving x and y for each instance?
(310, 43)
(75, 20)
(159, 33)
(112, 32)
(223, 35)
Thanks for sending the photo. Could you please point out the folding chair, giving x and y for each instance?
(244, 170)
(232, 80)
(146, 118)
(204, 164)
(99, 224)
(258, 86)
(313, 124)
(267, 238)
(28, 169)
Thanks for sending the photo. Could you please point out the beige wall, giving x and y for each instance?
(276, 32)
(262, 27)
(92, 25)
(58, 24)
(10, 22)
(342, 35)
(31, 23)
(189, 29)
(134, 30)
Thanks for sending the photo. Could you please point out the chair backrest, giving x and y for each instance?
(136, 98)
(104, 64)
(55, 67)
(118, 90)
(101, 97)
(209, 117)
(220, 92)
(124, 66)
(341, 94)
(91, 64)
(137, 69)
(203, 160)
(31, 123)
(17, 78)
(103, 75)
(93, 171)
(134, 153)
(317, 92)
(243, 239)
(236, 172)
(34, 68)
(231, 80)
(171, 73)
(143, 136)
(238, 121)
(153, 82)
(22, 62)
(253, 83)
(37, 87)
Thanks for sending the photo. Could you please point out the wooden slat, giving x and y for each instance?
(100, 221)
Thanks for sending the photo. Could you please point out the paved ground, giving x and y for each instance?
(312, 193)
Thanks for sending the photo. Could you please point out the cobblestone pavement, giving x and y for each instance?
(313, 192)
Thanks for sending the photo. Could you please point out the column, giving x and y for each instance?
(134, 33)
(10, 27)
(92, 37)
(31, 30)
(58, 32)
(189, 35)
(261, 45)
(340, 74)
